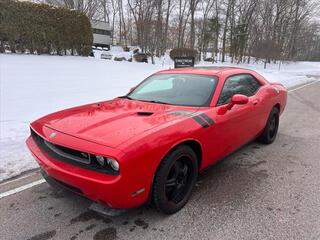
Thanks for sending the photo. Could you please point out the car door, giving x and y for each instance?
(239, 125)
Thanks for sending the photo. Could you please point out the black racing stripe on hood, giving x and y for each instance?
(199, 120)
(207, 118)
(203, 119)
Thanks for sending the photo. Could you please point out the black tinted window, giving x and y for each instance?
(238, 84)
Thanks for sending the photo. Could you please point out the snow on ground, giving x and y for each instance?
(32, 86)
(118, 54)
(290, 74)
(115, 51)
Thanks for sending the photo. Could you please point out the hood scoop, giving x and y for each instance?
(144, 113)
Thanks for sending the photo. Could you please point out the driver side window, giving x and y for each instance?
(238, 84)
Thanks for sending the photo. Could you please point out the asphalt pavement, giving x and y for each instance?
(259, 192)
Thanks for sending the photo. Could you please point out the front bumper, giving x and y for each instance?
(112, 191)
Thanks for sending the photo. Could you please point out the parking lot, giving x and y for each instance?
(259, 192)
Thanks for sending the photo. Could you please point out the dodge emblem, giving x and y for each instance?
(52, 135)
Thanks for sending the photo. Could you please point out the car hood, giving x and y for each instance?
(113, 122)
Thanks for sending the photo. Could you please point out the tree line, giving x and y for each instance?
(41, 28)
(265, 29)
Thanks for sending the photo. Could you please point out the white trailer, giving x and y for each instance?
(101, 34)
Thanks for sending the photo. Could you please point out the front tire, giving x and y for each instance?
(270, 131)
(175, 179)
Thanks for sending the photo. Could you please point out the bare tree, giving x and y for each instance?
(193, 6)
(236, 28)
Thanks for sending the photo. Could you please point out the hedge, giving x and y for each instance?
(41, 28)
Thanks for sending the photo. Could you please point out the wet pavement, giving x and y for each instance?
(259, 192)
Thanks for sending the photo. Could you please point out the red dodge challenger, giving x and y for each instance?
(150, 144)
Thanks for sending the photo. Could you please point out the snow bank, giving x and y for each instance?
(32, 86)
(290, 74)
(115, 52)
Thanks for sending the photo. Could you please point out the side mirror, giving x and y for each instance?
(237, 99)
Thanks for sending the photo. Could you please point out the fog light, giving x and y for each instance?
(113, 164)
(100, 160)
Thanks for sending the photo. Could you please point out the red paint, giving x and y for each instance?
(139, 142)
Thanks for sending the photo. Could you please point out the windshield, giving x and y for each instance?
(176, 89)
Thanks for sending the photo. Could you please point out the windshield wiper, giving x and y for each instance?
(126, 97)
(142, 100)
(155, 101)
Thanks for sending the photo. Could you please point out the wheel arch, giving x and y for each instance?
(278, 107)
(196, 147)
(194, 144)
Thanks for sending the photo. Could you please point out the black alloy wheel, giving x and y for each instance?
(175, 179)
(178, 180)
(270, 131)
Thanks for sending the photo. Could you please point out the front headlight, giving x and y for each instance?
(100, 160)
(108, 163)
(113, 164)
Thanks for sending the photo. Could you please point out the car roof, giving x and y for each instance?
(206, 70)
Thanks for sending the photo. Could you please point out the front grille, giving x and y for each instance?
(69, 153)
(71, 156)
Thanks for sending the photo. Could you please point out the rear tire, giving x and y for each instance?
(270, 131)
(175, 179)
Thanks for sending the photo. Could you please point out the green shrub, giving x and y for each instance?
(43, 28)
(183, 52)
